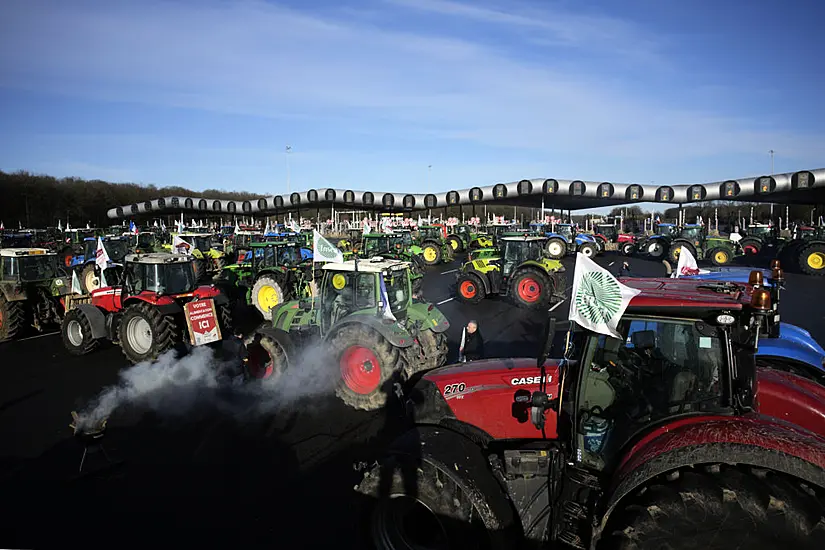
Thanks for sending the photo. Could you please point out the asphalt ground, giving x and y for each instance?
(281, 480)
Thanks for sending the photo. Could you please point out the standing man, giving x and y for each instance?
(472, 343)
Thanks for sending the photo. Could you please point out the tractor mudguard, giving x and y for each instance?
(754, 441)
(8, 292)
(430, 317)
(283, 316)
(166, 305)
(790, 349)
(545, 265)
(96, 318)
(800, 336)
(484, 276)
(394, 332)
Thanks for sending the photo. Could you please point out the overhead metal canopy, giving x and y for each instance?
(804, 187)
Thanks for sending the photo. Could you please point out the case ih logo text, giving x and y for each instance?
(527, 380)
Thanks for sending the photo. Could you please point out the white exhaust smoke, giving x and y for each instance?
(176, 387)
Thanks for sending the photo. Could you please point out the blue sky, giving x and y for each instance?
(208, 93)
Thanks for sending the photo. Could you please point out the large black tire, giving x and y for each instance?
(811, 259)
(789, 255)
(199, 264)
(455, 243)
(144, 333)
(431, 353)
(89, 279)
(720, 256)
(363, 384)
(531, 288)
(77, 333)
(433, 251)
(226, 320)
(675, 249)
(416, 500)
(655, 248)
(219, 263)
(750, 246)
(589, 249)
(469, 288)
(719, 507)
(268, 356)
(12, 319)
(556, 248)
(628, 249)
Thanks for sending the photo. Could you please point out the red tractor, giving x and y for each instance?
(608, 235)
(145, 314)
(669, 437)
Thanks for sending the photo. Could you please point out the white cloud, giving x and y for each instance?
(256, 58)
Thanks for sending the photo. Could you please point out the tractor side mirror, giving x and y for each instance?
(549, 335)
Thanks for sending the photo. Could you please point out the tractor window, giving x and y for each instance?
(564, 230)
(398, 290)
(145, 240)
(289, 255)
(534, 250)
(660, 368)
(115, 249)
(10, 270)
(36, 268)
(135, 277)
(173, 278)
(365, 291)
(376, 246)
(691, 233)
(513, 252)
(201, 243)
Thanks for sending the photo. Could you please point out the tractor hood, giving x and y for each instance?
(479, 396)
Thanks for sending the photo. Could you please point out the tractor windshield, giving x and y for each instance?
(199, 243)
(692, 233)
(374, 246)
(565, 230)
(171, 278)
(145, 240)
(405, 237)
(659, 368)
(609, 231)
(430, 233)
(666, 230)
(116, 250)
(398, 290)
(30, 269)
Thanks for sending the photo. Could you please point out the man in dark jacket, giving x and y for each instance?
(473, 343)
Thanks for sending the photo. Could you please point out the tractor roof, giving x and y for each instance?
(665, 224)
(158, 258)
(25, 252)
(525, 238)
(248, 232)
(376, 264)
(274, 244)
(690, 293)
(194, 234)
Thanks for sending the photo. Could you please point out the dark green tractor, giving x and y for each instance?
(464, 237)
(761, 236)
(519, 269)
(396, 246)
(276, 272)
(32, 283)
(366, 320)
(719, 250)
(806, 251)
(435, 248)
(237, 246)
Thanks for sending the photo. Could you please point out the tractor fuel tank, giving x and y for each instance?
(481, 394)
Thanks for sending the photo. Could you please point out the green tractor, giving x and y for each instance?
(435, 248)
(351, 242)
(145, 242)
(237, 246)
(719, 250)
(519, 270)
(276, 273)
(369, 324)
(759, 236)
(395, 246)
(464, 237)
(806, 251)
(33, 283)
(209, 261)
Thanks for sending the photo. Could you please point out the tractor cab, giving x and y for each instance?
(694, 233)
(609, 232)
(116, 248)
(75, 237)
(158, 273)
(243, 239)
(405, 236)
(666, 230)
(284, 254)
(144, 242)
(376, 244)
(29, 265)
(199, 241)
(760, 230)
(349, 288)
(517, 250)
(434, 232)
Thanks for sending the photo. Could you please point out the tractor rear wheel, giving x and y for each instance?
(144, 333)
(469, 288)
(676, 249)
(455, 243)
(588, 249)
(750, 247)
(434, 350)
(656, 249)
(556, 248)
(431, 253)
(719, 507)
(77, 333)
(225, 319)
(267, 294)
(531, 288)
(268, 358)
(199, 265)
(12, 319)
(719, 256)
(628, 248)
(368, 364)
(89, 279)
(812, 259)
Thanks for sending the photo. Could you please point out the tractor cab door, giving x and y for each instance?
(89, 250)
(343, 293)
(513, 257)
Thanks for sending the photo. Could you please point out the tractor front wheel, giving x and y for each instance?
(556, 248)
(719, 256)
(676, 250)
(77, 333)
(267, 294)
(470, 289)
(719, 507)
(531, 288)
(812, 259)
(431, 254)
(144, 333)
(750, 247)
(588, 249)
(656, 249)
(628, 248)
(368, 364)
(455, 243)
(12, 319)
(89, 279)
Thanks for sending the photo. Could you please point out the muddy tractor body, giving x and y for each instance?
(669, 436)
(463, 238)
(32, 283)
(435, 248)
(144, 314)
(564, 239)
(520, 270)
(719, 250)
(366, 321)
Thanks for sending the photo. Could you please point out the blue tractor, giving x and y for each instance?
(280, 235)
(656, 246)
(566, 239)
(87, 270)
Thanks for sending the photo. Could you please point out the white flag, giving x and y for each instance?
(103, 283)
(323, 250)
(76, 288)
(237, 228)
(386, 310)
(101, 257)
(687, 265)
(598, 300)
(179, 246)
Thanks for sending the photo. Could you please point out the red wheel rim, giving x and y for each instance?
(67, 261)
(468, 289)
(750, 249)
(529, 290)
(360, 370)
(259, 363)
(1, 319)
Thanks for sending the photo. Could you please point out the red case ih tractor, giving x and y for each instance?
(145, 314)
(668, 437)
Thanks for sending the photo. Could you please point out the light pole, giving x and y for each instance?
(771, 152)
(288, 151)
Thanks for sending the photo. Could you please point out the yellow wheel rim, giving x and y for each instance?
(454, 244)
(677, 252)
(429, 254)
(267, 297)
(816, 260)
(721, 257)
